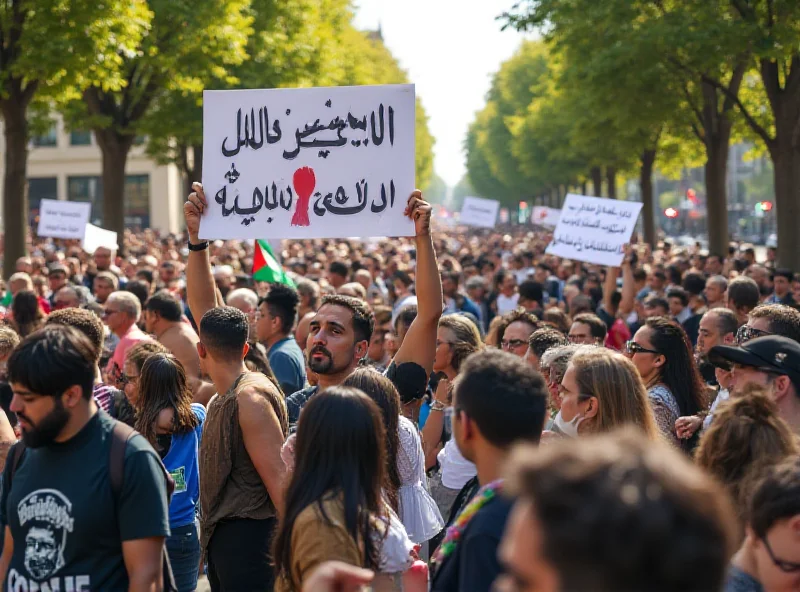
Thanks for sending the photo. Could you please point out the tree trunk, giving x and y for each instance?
(584, 188)
(716, 169)
(786, 160)
(15, 194)
(597, 181)
(611, 181)
(648, 199)
(115, 149)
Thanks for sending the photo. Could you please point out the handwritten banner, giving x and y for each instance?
(63, 219)
(593, 229)
(544, 216)
(480, 212)
(308, 163)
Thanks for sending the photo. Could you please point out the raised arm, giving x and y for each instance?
(419, 345)
(628, 285)
(609, 287)
(201, 290)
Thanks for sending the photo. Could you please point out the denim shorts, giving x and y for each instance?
(183, 548)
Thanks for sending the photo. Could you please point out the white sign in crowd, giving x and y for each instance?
(594, 229)
(63, 219)
(480, 212)
(308, 163)
(544, 216)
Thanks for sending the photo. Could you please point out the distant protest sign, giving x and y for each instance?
(544, 216)
(63, 219)
(96, 237)
(308, 163)
(593, 229)
(480, 212)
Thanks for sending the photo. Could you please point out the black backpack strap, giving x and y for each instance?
(16, 457)
(120, 436)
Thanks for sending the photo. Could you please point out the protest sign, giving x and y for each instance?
(593, 229)
(308, 163)
(544, 216)
(480, 212)
(96, 237)
(63, 219)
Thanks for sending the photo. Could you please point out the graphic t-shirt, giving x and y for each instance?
(181, 462)
(67, 526)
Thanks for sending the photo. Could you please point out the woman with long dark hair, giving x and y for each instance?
(173, 425)
(662, 354)
(27, 315)
(406, 487)
(335, 507)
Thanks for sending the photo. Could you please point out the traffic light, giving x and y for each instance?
(671, 213)
(764, 206)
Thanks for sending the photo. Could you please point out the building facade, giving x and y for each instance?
(67, 165)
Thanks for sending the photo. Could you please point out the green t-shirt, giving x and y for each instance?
(66, 525)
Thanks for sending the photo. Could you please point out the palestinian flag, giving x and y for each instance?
(266, 267)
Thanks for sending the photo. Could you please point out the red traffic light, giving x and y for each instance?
(671, 213)
(766, 206)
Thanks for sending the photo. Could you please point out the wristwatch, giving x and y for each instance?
(438, 406)
(198, 247)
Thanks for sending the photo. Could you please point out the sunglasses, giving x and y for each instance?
(632, 348)
(784, 566)
(512, 343)
(746, 333)
(126, 379)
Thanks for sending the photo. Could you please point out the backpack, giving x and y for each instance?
(116, 470)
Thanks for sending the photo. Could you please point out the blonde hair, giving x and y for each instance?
(468, 338)
(614, 381)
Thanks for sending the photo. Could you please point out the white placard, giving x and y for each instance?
(477, 211)
(96, 237)
(594, 229)
(544, 216)
(63, 219)
(308, 163)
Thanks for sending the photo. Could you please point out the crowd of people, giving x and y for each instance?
(455, 411)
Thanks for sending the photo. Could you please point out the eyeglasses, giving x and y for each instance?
(512, 343)
(784, 566)
(633, 348)
(746, 333)
(127, 379)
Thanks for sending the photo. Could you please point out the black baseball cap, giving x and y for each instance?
(771, 353)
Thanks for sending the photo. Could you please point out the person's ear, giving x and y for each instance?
(780, 387)
(201, 350)
(729, 339)
(592, 408)
(659, 361)
(246, 350)
(361, 349)
(72, 396)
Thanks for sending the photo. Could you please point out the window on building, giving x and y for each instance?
(80, 138)
(137, 201)
(48, 139)
(88, 189)
(137, 197)
(40, 188)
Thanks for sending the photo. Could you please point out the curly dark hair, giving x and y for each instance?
(84, 321)
(783, 320)
(519, 314)
(543, 339)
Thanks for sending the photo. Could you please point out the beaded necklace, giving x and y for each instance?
(485, 494)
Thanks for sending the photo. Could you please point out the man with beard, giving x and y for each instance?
(717, 327)
(66, 528)
(340, 332)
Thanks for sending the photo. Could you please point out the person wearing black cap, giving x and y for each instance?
(772, 361)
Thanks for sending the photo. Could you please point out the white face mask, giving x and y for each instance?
(567, 428)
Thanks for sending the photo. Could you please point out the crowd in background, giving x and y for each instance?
(448, 410)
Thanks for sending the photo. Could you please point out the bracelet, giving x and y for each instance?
(438, 406)
(198, 247)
